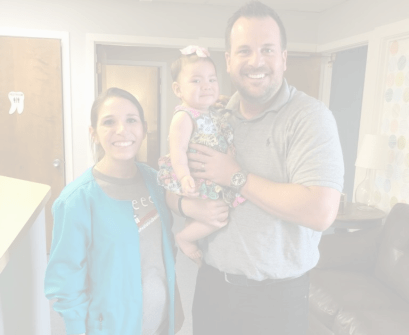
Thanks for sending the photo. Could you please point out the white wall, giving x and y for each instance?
(355, 23)
(125, 17)
(356, 17)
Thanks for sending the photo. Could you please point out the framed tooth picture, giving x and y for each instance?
(16, 102)
(385, 110)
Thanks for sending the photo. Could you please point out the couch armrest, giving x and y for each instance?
(356, 251)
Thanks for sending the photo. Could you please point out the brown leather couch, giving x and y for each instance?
(361, 283)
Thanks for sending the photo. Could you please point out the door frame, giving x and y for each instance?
(367, 114)
(330, 50)
(149, 41)
(66, 85)
(139, 41)
(162, 66)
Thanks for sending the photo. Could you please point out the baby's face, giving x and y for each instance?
(197, 85)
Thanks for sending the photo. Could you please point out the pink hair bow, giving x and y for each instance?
(199, 51)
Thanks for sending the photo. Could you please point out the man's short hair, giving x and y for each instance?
(255, 9)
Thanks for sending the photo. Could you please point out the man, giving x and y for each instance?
(289, 167)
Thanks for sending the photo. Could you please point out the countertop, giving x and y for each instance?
(20, 203)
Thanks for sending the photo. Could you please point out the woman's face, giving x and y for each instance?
(120, 130)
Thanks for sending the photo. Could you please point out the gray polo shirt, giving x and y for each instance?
(294, 141)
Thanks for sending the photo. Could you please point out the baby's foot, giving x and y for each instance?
(190, 249)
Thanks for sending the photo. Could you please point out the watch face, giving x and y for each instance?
(238, 179)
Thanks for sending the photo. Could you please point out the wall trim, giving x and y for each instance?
(64, 37)
(331, 49)
(345, 43)
(217, 44)
(127, 40)
(325, 79)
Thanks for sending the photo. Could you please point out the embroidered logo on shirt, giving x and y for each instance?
(144, 212)
(146, 220)
(143, 202)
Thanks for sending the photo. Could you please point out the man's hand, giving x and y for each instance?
(212, 165)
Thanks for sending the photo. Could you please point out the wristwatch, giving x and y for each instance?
(238, 180)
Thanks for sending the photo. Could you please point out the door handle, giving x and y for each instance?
(56, 163)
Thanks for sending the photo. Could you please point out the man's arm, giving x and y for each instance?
(314, 207)
(211, 212)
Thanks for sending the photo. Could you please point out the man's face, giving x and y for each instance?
(256, 61)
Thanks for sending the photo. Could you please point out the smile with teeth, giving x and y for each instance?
(122, 144)
(256, 76)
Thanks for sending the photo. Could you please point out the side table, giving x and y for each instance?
(358, 216)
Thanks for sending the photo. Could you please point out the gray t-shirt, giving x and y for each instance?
(155, 295)
(294, 141)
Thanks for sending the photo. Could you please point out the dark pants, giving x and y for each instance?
(275, 309)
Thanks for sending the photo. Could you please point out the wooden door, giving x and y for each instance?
(304, 73)
(31, 142)
(144, 83)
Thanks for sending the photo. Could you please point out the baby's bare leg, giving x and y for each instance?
(193, 231)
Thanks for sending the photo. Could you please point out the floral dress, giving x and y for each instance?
(214, 131)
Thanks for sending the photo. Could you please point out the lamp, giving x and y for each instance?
(371, 156)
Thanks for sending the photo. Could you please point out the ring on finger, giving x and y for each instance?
(203, 166)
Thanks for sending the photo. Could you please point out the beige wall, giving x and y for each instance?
(358, 17)
(130, 17)
(124, 17)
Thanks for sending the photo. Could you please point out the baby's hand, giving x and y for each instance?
(188, 186)
(221, 102)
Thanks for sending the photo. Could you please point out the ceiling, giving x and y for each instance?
(316, 6)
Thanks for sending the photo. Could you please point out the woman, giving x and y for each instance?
(111, 265)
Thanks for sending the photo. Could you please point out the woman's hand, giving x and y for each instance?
(211, 212)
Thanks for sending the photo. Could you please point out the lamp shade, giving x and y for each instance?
(373, 152)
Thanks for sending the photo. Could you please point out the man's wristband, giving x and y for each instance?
(180, 207)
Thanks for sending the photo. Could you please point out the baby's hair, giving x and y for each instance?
(179, 63)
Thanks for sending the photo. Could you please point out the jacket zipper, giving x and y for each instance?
(100, 321)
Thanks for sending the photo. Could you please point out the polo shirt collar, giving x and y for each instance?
(279, 100)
